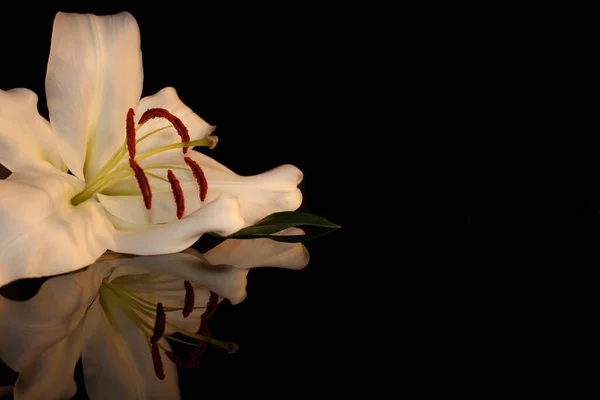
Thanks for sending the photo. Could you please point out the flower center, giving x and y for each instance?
(134, 307)
(114, 171)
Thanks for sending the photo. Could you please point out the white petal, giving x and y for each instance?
(259, 195)
(244, 253)
(43, 234)
(117, 362)
(221, 216)
(167, 98)
(50, 376)
(94, 76)
(164, 207)
(33, 326)
(192, 322)
(224, 280)
(25, 137)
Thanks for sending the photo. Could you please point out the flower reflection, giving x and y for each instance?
(117, 315)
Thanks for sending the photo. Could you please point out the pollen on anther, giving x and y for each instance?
(177, 123)
(199, 175)
(188, 306)
(177, 193)
(156, 360)
(143, 183)
(130, 126)
(159, 323)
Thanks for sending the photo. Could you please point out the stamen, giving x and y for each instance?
(188, 306)
(158, 365)
(211, 307)
(177, 193)
(177, 124)
(143, 183)
(159, 323)
(199, 175)
(131, 133)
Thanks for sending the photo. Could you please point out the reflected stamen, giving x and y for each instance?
(183, 361)
(211, 307)
(156, 360)
(132, 306)
(201, 346)
(188, 306)
(159, 323)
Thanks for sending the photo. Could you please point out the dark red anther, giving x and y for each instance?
(188, 306)
(156, 360)
(177, 124)
(159, 323)
(199, 175)
(191, 360)
(183, 361)
(211, 307)
(130, 126)
(177, 193)
(201, 346)
(143, 183)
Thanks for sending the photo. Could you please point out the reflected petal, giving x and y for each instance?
(50, 376)
(117, 363)
(253, 253)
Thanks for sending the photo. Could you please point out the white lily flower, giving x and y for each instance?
(134, 185)
(108, 315)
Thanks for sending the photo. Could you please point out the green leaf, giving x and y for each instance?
(295, 238)
(277, 222)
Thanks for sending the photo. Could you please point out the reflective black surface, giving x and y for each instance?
(273, 102)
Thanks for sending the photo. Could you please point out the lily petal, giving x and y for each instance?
(50, 376)
(48, 235)
(224, 280)
(164, 207)
(221, 216)
(94, 76)
(32, 327)
(259, 195)
(190, 324)
(117, 363)
(25, 137)
(243, 253)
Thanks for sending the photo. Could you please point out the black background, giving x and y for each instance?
(280, 90)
